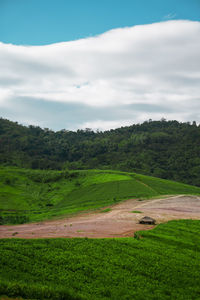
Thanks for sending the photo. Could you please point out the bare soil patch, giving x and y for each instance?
(118, 222)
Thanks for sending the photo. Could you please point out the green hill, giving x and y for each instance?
(164, 264)
(164, 149)
(31, 195)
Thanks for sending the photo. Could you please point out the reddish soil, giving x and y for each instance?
(119, 222)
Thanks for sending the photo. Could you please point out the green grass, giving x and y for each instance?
(105, 210)
(163, 264)
(33, 195)
(136, 211)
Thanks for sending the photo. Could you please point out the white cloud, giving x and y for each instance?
(105, 125)
(155, 64)
(5, 95)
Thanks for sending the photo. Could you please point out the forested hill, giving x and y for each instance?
(166, 149)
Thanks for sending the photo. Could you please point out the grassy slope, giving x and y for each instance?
(33, 195)
(164, 264)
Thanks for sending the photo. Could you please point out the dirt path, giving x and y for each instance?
(119, 222)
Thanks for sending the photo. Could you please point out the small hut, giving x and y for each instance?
(147, 220)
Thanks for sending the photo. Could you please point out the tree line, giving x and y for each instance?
(165, 149)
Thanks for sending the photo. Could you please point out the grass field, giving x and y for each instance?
(163, 264)
(33, 195)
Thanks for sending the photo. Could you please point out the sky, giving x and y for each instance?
(99, 64)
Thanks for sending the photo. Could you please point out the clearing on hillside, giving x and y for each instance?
(119, 221)
(36, 195)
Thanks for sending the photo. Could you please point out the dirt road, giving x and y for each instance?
(119, 222)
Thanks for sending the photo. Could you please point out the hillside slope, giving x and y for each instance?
(165, 149)
(32, 195)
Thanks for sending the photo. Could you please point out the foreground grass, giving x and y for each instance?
(34, 195)
(163, 264)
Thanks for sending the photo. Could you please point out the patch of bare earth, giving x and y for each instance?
(118, 222)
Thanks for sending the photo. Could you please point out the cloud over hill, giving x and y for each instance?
(123, 76)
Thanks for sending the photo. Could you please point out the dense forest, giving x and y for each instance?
(165, 149)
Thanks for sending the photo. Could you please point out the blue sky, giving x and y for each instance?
(40, 22)
(99, 64)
